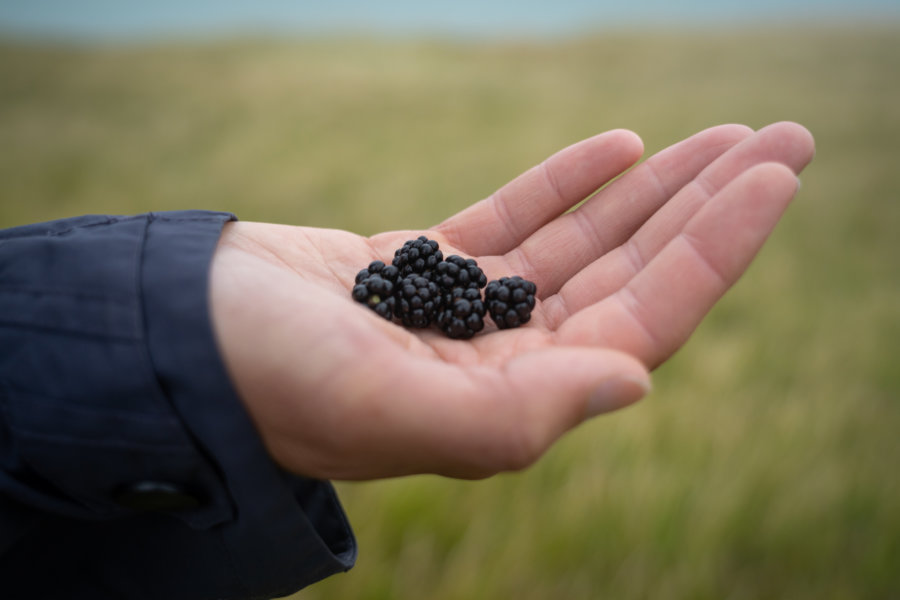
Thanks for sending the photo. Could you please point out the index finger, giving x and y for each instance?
(510, 215)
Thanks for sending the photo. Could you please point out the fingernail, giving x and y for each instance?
(616, 393)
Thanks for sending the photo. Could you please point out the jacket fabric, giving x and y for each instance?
(129, 467)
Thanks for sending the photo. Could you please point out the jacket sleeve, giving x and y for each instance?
(128, 465)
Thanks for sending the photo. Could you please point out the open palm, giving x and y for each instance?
(337, 392)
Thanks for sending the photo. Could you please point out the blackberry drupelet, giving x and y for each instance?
(462, 315)
(510, 301)
(418, 300)
(420, 256)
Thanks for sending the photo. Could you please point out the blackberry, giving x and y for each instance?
(456, 271)
(420, 255)
(375, 287)
(418, 300)
(462, 315)
(510, 301)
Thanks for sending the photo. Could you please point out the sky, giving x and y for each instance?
(119, 19)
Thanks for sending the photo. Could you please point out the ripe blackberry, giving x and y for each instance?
(462, 315)
(456, 271)
(510, 301)
(420, 255)
(375, 286)
(418, 300)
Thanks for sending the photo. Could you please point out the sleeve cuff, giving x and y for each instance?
(122, 441)
(289, 529)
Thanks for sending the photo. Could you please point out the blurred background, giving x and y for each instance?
(765, 464)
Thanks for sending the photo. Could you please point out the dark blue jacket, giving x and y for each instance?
(128, 465)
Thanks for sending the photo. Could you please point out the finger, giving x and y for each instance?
(657, 310)
(786, 143)
(566, 245)
(472, 422)
(500, 222)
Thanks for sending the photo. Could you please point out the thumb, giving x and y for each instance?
(562, 387)
(533, 399)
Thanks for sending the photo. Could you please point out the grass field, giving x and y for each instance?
(765, 464)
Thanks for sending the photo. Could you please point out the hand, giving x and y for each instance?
(337, 392)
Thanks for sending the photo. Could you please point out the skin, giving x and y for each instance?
(337, 392)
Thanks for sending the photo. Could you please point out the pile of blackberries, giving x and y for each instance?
(421, 288)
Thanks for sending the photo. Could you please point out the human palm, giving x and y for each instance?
(338, 392)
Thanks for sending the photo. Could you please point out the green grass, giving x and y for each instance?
(766, 463)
